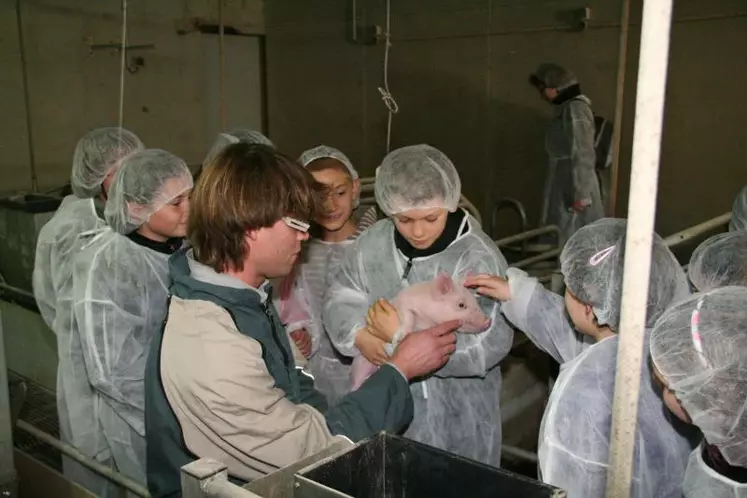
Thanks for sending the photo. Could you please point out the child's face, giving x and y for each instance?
(670, 399)
(171, 219)
(341, 192)
(421, 227)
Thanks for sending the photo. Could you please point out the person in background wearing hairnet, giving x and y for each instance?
(301, 299)
(739, 212)
(120, 289)
(418, 188)
(575, 432)
(226, 138)
(96, 159)
(719, 261)
(699, 356)
(571, 197)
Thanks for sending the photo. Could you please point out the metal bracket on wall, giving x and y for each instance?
(134, 64)
(358, 32)
(576, 19)
(207, 27)
(93, 47)
(582, 17)
(368, 35)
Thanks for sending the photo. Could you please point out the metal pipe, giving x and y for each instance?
(26, 97)
(16, 290)
(7, 467)
(467, 204)
(119, 46)
(354, 21)
(79, 457)
(559, 28)
(697, 230)
(122, 66)
(519, 453)
(647, 133)
(222, 62)
(535, 259)
(622, 60)
(529, 234)
(18, 296)
(504, 203)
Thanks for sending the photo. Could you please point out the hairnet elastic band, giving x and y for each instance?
(695, 333)
(597, 258)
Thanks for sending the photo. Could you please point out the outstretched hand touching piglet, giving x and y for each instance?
(491, 286)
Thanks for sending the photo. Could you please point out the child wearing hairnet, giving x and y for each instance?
(301, 300)
(719, 261)
(699, 356)
(120, 284)
(425, 233)
(97, 157)
(575, 432)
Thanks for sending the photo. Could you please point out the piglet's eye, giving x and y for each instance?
(462, 305)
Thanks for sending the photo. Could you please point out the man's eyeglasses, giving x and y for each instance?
(296, 224)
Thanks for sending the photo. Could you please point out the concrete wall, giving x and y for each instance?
(458, 71)
(171, 102)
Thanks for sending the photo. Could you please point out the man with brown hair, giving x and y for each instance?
(221, 381)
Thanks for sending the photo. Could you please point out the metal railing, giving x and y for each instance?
(18, 296)
(510, 203)
(528, 235)
(67, 450)
(698, 230)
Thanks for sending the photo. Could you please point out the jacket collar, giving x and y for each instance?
(191, 279)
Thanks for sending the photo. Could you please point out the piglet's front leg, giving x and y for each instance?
(407, 321)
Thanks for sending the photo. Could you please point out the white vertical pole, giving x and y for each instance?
(649, 113)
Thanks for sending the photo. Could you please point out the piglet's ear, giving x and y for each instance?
(444, 283)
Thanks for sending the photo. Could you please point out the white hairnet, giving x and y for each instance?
(145, 182)
(227, 138)
(417, 177)
(324, 152)
(554, 76)
(700, 348)
(739, 212)
(592, 265)
(96, 155)
(719, 261)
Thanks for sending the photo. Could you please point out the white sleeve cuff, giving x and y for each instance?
(301, 324)
(398, 370)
